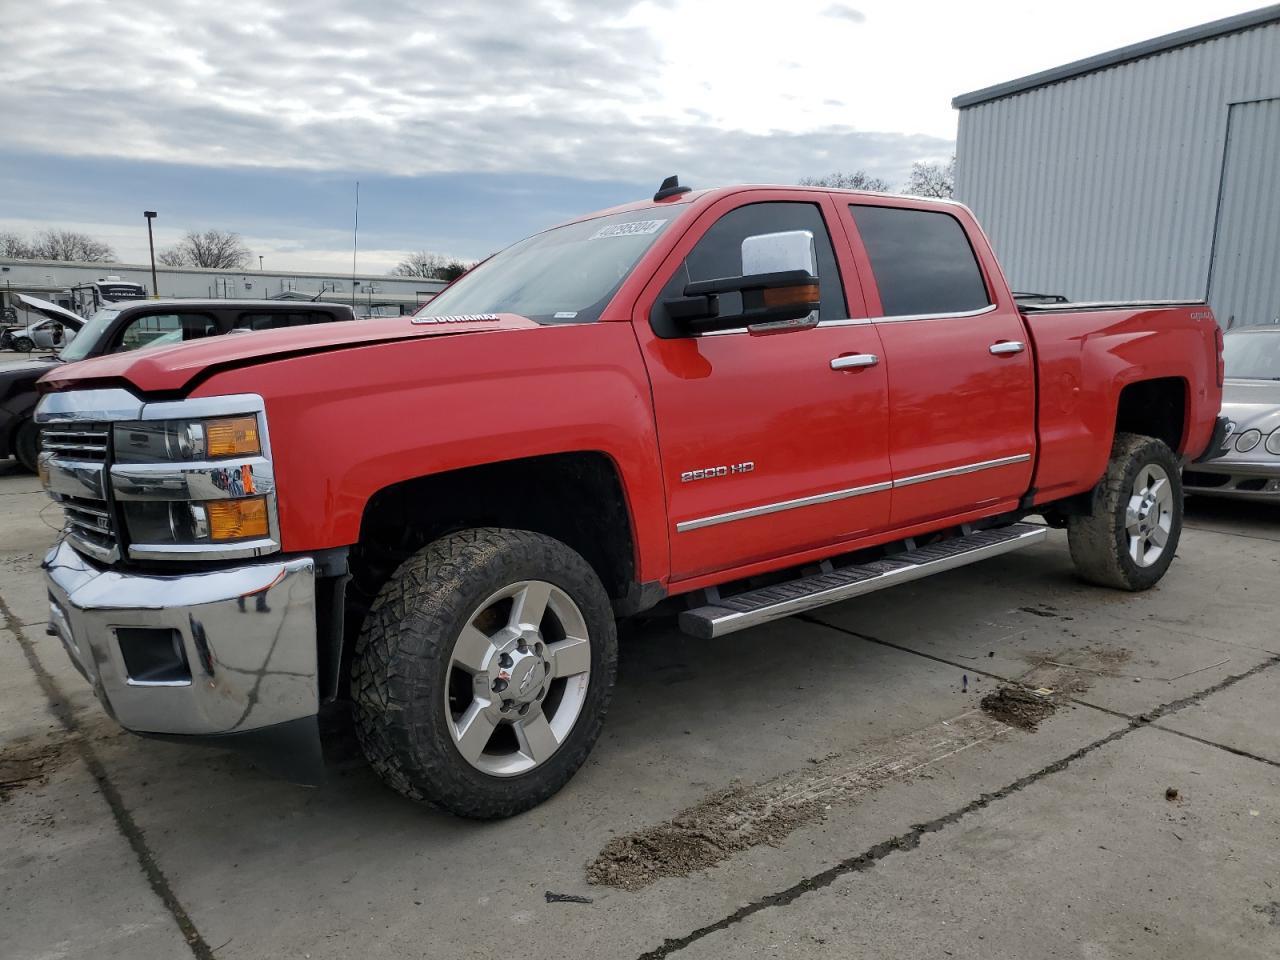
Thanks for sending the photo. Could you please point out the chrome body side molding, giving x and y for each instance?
(760, 511)
(746, 513)
(961, 470)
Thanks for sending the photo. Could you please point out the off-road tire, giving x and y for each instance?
(401, 664)
(26, 444)
(23, 344)
(1098, 542)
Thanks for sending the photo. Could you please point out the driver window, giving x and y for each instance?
(719, 254)
(161, 329)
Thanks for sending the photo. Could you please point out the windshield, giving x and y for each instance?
(94, 329)
(1252, 356)
(565, 275)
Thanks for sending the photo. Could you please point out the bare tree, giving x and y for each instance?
(932, 179)
(858, 180)
(69, 245)
(454, 269)
(220, 249)
(432, 266)
(15, 246)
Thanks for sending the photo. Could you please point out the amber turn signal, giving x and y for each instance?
(786, 296)
(237, 519)
(232, 437)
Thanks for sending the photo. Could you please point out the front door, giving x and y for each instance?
(962, 381)
(767, 448)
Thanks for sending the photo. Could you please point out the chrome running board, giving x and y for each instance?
(729, 614)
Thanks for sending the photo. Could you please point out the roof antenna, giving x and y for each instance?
(670, 188)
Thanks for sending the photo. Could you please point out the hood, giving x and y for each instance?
(22, 374)
(1252, 404)
(50, 310)
(172, 369)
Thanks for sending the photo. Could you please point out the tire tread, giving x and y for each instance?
(407, 636)
(1095, 540)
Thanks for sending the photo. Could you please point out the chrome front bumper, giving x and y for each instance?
(246, 634)
(1234, 479)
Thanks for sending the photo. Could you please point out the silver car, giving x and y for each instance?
(56, 328)
(1250, 470)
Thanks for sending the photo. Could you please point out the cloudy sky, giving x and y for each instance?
(471, 124)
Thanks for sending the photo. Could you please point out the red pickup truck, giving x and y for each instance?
(746, 402)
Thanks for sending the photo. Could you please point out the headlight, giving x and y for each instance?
(213, 522)
(1273, 443)
(196, 487)
(1248, 440)
(177, 441)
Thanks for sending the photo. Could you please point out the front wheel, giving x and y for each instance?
(23, 344)
(483, 672)
(1131, 536)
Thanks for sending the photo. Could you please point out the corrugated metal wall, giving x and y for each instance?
(1106, 186)
(1245, 282)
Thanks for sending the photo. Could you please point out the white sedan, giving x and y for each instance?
(54, 330)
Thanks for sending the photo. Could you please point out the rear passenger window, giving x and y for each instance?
(274, 320)
(922, 261)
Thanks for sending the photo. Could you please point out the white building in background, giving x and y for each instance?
(1149, 172)
(54, 280)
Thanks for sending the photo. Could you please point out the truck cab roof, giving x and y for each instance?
(701, 199)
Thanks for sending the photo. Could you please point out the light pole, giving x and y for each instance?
(155, 286)
(259, 263)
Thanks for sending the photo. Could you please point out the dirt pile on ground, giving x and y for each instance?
(700, 837)
(1018, 707)
(22, 765)
(745, 816)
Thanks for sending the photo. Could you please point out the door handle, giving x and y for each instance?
(855, 360)
(1005, 347)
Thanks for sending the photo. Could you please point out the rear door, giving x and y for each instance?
(767, 449)
(962, 378)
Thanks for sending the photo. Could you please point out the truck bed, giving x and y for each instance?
(1047, 305)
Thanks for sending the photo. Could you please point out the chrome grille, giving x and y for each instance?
(89, 522)
(90, 527)
(76, 441)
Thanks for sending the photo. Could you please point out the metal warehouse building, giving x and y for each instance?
(1152, 171)
(368, 293)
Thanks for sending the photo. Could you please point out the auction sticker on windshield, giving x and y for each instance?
(636, 228)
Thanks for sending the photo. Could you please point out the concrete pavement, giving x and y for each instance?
(946, 834)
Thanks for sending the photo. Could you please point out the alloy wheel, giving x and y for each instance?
(518, 676)
(1149, 515)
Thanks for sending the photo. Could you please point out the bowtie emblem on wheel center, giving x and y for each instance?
(521, 676)
(526, 672)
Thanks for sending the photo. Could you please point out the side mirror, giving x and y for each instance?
(777, 291)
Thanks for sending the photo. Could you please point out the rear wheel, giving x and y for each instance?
(483, 672)
(1130, 539)
(26, 444)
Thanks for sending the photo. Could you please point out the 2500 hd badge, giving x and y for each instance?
(707, 473)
